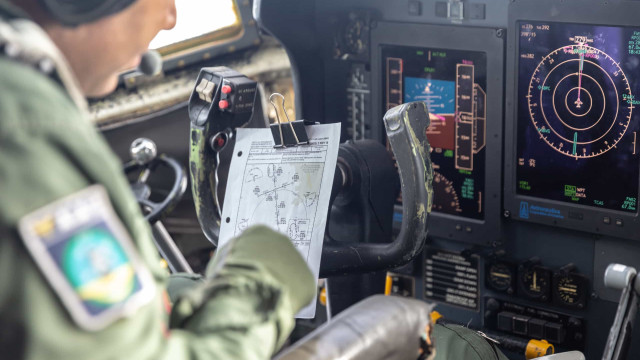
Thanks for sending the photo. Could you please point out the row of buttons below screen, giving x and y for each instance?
(532, 327)
(607, 220)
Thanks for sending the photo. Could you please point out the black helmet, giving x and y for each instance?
(76, 12)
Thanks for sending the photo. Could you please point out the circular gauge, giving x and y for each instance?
(445, 198)
(354, 33)
(570, 289)
(500, 277)
(534, 282)
(579, 101)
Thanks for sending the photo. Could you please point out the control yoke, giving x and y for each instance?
(406, 130)
(223, 101)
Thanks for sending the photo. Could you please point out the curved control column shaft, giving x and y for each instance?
(406, 130)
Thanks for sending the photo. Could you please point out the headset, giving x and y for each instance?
(76, 12)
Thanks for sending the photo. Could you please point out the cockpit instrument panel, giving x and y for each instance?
(452, 83)
(576, 126)
(451, 73)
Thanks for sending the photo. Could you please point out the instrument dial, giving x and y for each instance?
(570, 289)
(351, 39)
(534, 282)
(445, 198)
(500, 277)
(578, 100)
(354, 36)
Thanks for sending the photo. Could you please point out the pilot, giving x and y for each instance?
(79, 274)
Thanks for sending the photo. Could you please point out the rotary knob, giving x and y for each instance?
(143, 151)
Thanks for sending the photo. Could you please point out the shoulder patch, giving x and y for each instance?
(88, 258)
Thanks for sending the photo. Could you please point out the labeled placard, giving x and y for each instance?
(451, 278)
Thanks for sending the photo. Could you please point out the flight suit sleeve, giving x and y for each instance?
(245, 310)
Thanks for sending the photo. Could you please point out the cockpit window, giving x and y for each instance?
(201, 23)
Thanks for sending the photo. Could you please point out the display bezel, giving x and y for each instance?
(571, 216)
(486, 40)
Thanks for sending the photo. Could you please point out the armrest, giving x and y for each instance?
(379, 327)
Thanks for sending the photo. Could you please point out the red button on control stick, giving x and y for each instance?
(226, 89)
(223, 104)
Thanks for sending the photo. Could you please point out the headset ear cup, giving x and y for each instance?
(76, 12)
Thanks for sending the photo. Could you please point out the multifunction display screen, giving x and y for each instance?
(453, 84)
(577, 120)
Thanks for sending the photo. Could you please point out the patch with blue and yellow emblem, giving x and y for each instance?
(87, 256)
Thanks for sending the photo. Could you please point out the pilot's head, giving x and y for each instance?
(101, 38)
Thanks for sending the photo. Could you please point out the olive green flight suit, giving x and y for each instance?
(455, 342)
(48, 150)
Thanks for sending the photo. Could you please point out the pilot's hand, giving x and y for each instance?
(254, 287)
(272, 253)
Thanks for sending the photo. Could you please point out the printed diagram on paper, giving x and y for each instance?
(286, 189)
(283, 195)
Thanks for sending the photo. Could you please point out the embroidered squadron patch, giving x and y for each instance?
(87, 256)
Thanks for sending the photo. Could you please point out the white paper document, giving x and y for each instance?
(286, 189)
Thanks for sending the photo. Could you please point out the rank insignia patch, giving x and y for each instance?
(87, 256)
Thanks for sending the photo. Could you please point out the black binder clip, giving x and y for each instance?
(292, 135)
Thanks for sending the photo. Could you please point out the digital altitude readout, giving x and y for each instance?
(453, 84)
(578, 119)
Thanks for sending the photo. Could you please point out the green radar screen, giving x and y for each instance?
(577, 116)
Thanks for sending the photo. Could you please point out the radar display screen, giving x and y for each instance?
(577, 119)
(452, 83)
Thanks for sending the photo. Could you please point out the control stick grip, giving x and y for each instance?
(618, 276)
(406, 127)
(221, 102)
